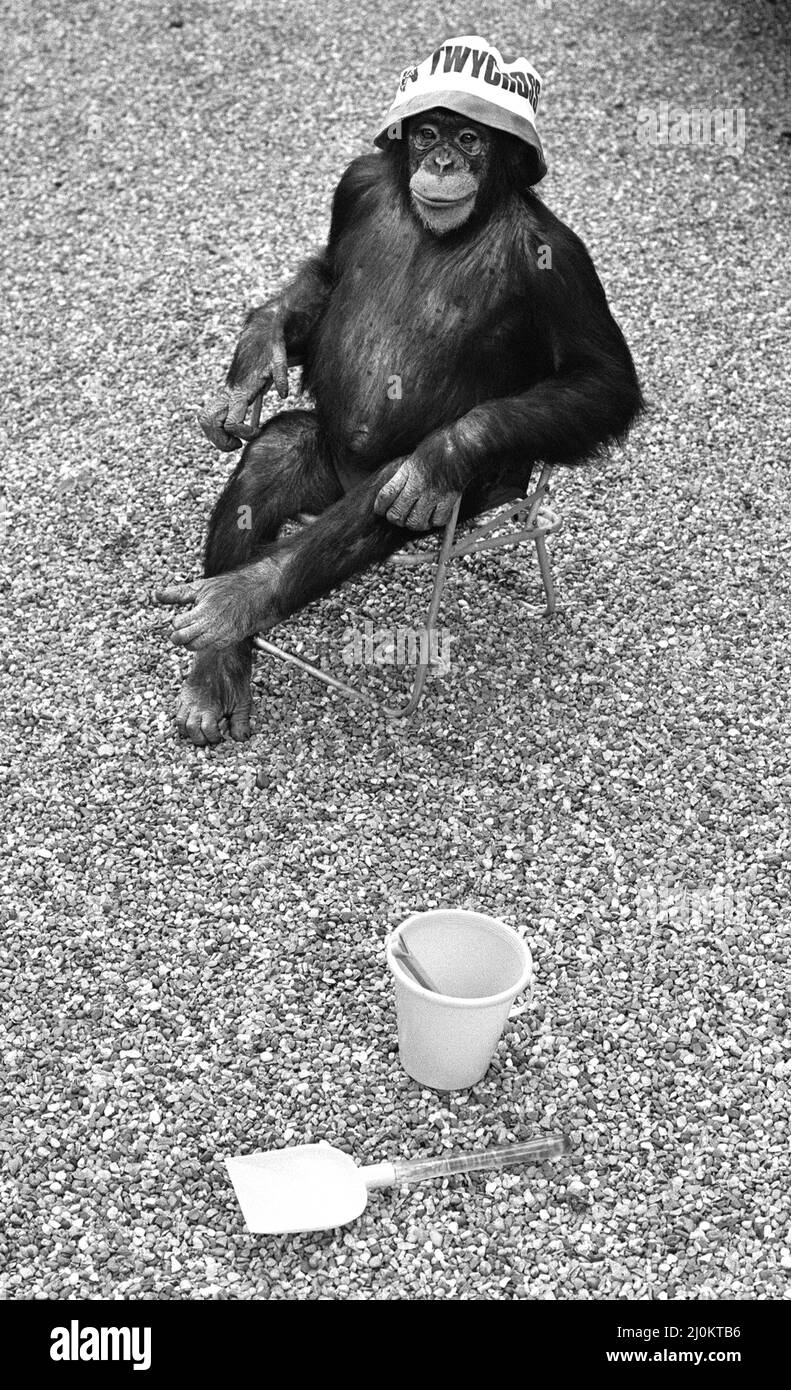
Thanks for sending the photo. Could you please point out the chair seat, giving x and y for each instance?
(543, 523)
(530, 518)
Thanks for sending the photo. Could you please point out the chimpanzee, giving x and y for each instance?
(452, 333)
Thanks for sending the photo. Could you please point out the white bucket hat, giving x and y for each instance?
(467, 75)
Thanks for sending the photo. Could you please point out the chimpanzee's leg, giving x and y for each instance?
(221, 611)
(344, 540)
(279, 475)
(292, 572)
(283, 472)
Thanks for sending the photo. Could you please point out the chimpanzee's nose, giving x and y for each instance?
(443, 157)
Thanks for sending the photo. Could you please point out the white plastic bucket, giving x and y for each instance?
(447, 1040)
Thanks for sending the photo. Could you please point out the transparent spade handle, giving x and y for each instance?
(532, 1151)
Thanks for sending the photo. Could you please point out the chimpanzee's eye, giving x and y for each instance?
(470, 142)
(427, 134)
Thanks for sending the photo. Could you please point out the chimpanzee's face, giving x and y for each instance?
(448, 162)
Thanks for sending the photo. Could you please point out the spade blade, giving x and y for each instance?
(311, 1187)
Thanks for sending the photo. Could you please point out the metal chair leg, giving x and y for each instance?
(255, 418)
(447, 550)
(261, 645)
(402, 712)
(546, 574)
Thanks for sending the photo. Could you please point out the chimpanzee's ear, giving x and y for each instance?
(532, 168)
(521, 162)
(360, 179)
(397, 156)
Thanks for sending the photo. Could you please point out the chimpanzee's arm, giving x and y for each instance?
(590, 399)
(271, 334)
(289, 316)
(593, 395)
(278, 329)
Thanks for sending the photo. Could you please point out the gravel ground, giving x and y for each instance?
(192, 946)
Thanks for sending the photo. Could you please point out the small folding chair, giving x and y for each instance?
(529, 518)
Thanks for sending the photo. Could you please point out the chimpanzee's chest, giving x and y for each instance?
(403, 285)
(414, 334)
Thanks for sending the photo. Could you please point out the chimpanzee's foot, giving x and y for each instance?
(222, 611)
(215, 698)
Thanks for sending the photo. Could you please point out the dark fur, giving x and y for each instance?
(502, 363)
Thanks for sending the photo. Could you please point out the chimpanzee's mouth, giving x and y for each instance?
(443, 202)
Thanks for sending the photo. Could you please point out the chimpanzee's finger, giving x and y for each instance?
(183, 594)
(398, 510)
(403, 508)
(188, 636)
(400, 515)
(419, 516)
(408, 500)
(215, 433)
(240, 403)
(238, 406)
(244, 433)
(279, 367)
(444, 509)
(390, 491)
(212, 419)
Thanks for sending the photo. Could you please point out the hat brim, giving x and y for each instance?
(477, 109)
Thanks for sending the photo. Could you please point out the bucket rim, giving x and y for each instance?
(503, 929)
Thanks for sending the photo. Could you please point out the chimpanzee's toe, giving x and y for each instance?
(239, 724)
(200, 726)
(215, 698)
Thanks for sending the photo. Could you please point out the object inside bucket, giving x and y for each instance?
(467, 961)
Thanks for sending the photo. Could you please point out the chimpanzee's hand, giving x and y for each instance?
(223, 419)
(415, 499)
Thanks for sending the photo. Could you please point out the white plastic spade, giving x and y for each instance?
(314, 1187)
